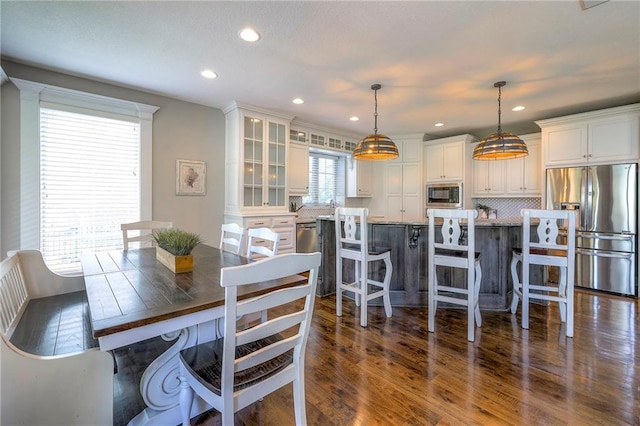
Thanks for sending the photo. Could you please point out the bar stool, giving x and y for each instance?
(354, 245)
(453, 252)
(548, 248)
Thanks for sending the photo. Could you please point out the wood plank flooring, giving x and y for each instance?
(394, 372)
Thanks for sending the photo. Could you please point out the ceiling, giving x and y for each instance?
(436, 60)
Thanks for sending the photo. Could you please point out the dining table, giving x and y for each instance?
(133, 297)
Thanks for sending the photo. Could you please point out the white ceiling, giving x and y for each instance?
(436, 60)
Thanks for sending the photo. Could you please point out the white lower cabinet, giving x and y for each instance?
(285, 225)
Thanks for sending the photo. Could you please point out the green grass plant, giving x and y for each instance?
(176, 241)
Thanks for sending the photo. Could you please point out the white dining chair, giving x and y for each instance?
(242, 367)
(352, 243)
(549, 247)
(141, 232)
(231, 237)
(452, 249)
(262, 242)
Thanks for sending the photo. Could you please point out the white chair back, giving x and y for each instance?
(549, 247)
(244, 366)
(352, 243)
(453, 249)
(231, 237)
(262, 242)
(135, 232)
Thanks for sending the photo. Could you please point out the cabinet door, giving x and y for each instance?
(358, 178)
(411, 151)
(453, 161)
(613, 139)
(298, 170)
(413, 208)
(364, 179)
(531, 170)
(434, 161)
(253, 161)
(488, 178)
(565, 145)
(277, 160)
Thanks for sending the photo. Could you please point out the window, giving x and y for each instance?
(89, 184)
(326, 179)
(78, 188)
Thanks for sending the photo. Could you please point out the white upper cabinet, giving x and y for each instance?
(524, 175)
(359, 178)
(403, 182)
(298, 170)
(599, 137)
(488, 178)
(256, 160)
(519, 177)
(444, 159)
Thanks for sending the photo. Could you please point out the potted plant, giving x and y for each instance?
(174, 248)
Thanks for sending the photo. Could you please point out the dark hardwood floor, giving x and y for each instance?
(394, 372)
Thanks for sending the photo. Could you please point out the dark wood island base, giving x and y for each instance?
(409, 250)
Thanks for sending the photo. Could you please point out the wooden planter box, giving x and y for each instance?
(177, 264)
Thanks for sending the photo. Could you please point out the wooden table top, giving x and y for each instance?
(129, 289)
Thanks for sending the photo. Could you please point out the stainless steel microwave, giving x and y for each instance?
(444, 195)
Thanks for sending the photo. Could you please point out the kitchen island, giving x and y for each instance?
(408, 241)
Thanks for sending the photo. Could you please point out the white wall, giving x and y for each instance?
(180, 130)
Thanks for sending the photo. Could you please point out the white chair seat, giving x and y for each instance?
(545, 248)
(352, 244)
(450, 250)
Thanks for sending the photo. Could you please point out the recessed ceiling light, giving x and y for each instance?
(298, 101)
(354, 118)
(517, 108)
(439, 124)
(208, 74)
(249, 34)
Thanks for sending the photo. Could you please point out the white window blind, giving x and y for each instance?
(326, 179)
(89, 184)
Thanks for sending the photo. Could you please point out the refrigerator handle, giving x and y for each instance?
(585, 199)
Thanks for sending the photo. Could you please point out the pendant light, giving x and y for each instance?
(500, 146)
(375, 147)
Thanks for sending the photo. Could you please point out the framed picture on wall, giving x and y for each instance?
(190, 177)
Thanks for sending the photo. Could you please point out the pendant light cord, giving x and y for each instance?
(375, 113)
(499, 110)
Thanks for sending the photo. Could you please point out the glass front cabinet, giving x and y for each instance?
(256, 160)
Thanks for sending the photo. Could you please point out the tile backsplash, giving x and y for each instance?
(506, 207)
(509, 207)
(309, 211)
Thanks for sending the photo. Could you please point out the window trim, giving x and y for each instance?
(340, 181)
(31, 95)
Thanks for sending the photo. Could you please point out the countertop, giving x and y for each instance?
(504, 221)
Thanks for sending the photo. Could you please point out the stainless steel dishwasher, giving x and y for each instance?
(306, 237)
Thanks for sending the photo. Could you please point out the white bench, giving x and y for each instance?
(46, 390)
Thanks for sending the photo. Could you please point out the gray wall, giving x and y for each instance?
(181, 130)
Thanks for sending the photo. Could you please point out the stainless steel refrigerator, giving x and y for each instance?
(606, 198)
